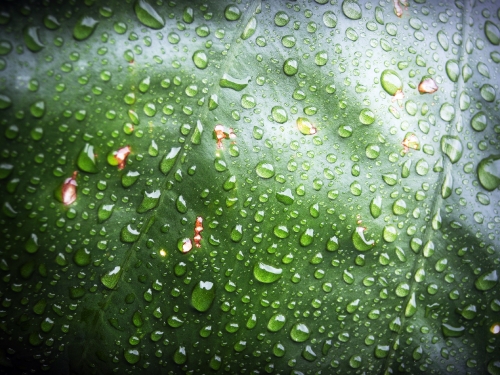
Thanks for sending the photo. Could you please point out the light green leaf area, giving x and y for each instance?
(312, 187)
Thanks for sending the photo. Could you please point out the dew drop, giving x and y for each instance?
(200, 59)
(203, 295)
(451, 147)
(32, 39)
(351, 9)
(148, 15)
(86, 159)
(488, 172)
(391, 82)
(84, 27)
(266, 273)
(265, 170)
(299, 332)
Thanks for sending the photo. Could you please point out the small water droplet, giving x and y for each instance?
(266, 273)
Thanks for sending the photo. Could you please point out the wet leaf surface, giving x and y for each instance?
(278, 187)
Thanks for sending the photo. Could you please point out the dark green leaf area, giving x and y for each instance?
(249, 186)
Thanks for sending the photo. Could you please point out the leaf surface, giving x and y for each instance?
(291, 202)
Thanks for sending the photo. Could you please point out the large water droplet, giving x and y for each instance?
(359, 240)
(479, 121)
(265, 169)
(84, 27)
(236, 84)
(203, 295)
(148, 15)
(249, 29)
(266, 273)
(452, 70)
(487, 281)
(110, 279)
(200, 59)
(451, 147)
(32, 39)
(290, 66)
(390, 81)
(351, 9)
(300, 332)
(86, 159)
(276, 322)
(169, 160)
(149, 201)
(492, 33)
(488, 172)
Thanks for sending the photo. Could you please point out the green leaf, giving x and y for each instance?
(279, 187)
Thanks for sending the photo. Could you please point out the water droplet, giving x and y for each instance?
(359, 241)
(232, 13)
(86, 159)
(281, 231)
(110, 279)
(488, 92)
(366, 116)
(391, 82)
(451, 147)
(399, 207)
(411, 306)
(37, 109)
(32, 39)
(492, 33)
(307, 237)
(105, 211)
(265, 273)
(276, 322)
(236, 84)
(181, 205)
(447, 112)
(31, 245)
(5, 101)
(200, 59)
(203, 295)
(84, 27)
(351, 9)
(129, 234)
(330, 19)
(299, 332)
(237, 233)
(305, 126)
(290, 67)
(132, 355)
(488, 172)
(51, 22)
(129, 178)
(390, 233)
(487, 281)
(281, 19)
(148, 15)
(467, 72)
(309, 354)
(452, 331)
(149, 201)
(479, 121)
(264, 170)
(452, 70)
(285, 197)
(82, 257)
(198, 131)
(279, 114)
(443, 40)
(168, 161)
(249, 29)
